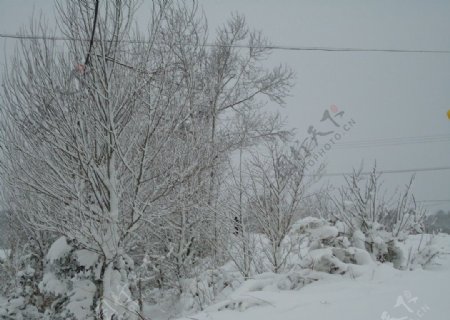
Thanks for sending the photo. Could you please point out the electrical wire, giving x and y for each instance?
(242, 46)
(392, 141)
(381, 172)
(363, 143)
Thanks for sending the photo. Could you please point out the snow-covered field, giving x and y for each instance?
(375, 292)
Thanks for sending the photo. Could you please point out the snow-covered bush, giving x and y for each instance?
(240, 246)
(25, 301)
(326, 249)
(68, 282)
(421, 251)
(69, 289)
(317, 232)
(8, 263)
(242, 298)
(374, 221)
(23, 249)
(22, 267)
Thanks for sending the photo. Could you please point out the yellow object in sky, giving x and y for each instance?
(448, 114)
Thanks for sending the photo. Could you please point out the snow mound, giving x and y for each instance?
(59, 249)
(244, 298)
(81, 298)
(86, 258)
(4, 253)
(50, 284)
(242, 304)
(271, 281)
(315, 229)
(318, 229)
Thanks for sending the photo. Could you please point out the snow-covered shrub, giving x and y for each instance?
(197, 293)
(23, 248)
(316, 231)
(70, 287)
(7, 271)
(375, 222)
(67, 284)
(240, 246)
(21, 269)
(241, 299)
(327, 250)
(421, 251)
(25, 300)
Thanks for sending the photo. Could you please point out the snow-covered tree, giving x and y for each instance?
(111, 131)
(89, 145)
(278, 183)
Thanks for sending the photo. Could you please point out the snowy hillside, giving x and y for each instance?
(381, 292)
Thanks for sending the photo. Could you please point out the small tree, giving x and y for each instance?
(277, 184)
(236, 234)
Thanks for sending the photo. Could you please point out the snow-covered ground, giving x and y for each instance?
(370, 291)
(374, 292)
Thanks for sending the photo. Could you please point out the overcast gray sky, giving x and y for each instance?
(389, 95)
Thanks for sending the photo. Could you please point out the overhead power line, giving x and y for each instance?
(383, 171)
(392, 141)
(243, 46)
